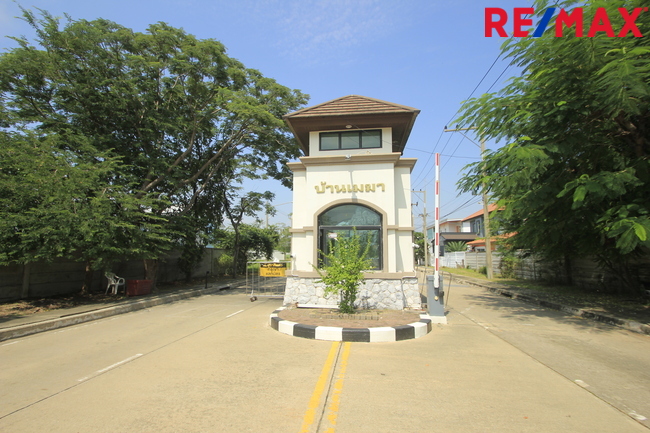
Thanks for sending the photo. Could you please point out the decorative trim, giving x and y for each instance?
(406, 162)
(400, 229)
(359, 158)
(391, 227)
(302, 230)
(366, 275)
(359, 335)
(296, 166)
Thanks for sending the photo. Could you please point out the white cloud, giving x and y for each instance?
(324, 28)
(313, 30)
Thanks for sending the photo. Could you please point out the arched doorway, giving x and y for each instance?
(342, 220)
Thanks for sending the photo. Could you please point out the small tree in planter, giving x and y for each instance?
(342, 270)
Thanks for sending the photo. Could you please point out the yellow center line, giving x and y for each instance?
(314, 402)
(338, 388)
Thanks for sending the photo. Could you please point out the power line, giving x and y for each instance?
(453, 117)
(479, 83)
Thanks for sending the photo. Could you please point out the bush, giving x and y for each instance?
(343, 271)
(509, 264)
(223, 265)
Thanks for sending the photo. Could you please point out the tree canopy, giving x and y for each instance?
(159, 116)
(574, 175)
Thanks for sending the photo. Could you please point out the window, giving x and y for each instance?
(477, 226)
(343, 220)
(350, 140)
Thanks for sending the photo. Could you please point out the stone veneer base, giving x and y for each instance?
(361, 335)
(374, 293)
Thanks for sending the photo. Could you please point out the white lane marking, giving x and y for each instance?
(581, 383)
(9, 344)
(234, 313)
(180, 313)
(637, 416)
(117, 364)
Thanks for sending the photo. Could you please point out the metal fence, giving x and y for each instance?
(266, 279)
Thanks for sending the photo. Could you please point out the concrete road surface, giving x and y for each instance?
(213, 364)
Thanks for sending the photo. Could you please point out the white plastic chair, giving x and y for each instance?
(114, 281)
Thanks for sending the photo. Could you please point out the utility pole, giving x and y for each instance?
(424, 229)
(486, 214)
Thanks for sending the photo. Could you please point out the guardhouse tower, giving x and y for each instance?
(353, 177)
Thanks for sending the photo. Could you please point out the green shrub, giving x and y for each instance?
(223, 264)
(343, 270)
(508, 266)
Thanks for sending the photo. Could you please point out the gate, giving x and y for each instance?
(266, 279)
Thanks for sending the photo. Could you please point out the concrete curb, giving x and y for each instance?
(101, 313)
(357, 335)
(630, 325)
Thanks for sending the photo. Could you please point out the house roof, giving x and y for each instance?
(481, 242)
(445, 221)
(491, 208)
(451, 236)
(353, 111)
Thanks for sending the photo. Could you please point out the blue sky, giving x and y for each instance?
(426, 54)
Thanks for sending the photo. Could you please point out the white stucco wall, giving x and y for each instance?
(382, 183)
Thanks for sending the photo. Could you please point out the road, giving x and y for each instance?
(213, 364)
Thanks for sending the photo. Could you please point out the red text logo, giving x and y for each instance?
(497, 18)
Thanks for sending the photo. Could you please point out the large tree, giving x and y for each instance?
(64, 204)
(172, 108)
(574, 174)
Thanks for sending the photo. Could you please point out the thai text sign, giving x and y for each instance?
(272, 269)
(366, 187)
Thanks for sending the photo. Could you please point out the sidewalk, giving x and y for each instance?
(536, 299)
(20, 326)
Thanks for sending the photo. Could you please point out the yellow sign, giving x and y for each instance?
(273, 269)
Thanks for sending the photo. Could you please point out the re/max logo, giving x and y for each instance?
(496, 18)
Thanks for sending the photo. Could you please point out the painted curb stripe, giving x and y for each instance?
(304, 331)
(357, 335)
(404, 332)
(329, 333)
(383, 334)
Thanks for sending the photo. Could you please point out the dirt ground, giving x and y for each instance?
(26, 307)
(361, 319)
(31, 306)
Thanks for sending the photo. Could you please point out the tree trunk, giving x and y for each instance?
(568, 270)
(88, 278)
(235, 261)
(151, 272)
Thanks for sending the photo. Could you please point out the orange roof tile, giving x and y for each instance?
(491, 208)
